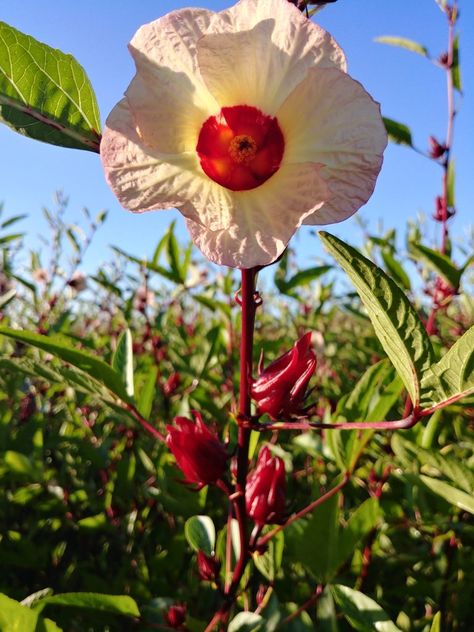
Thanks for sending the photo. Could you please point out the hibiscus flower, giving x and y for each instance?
(247, 122)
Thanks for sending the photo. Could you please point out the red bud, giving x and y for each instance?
(265, 491)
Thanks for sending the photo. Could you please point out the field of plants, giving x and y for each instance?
(196, 447)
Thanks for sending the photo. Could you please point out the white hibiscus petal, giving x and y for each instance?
(329, 118)
(167, 96)
(265, 55)
(145, 180)
(265, 218)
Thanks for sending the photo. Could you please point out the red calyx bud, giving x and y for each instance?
(208, 566)
(265, 491)
(171, 384)
(436, 148)
(198, 452)
(175, 616)
(444, 60)
(280, 388)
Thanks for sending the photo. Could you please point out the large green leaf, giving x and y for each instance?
(452, 377)
(61, 348)
(17, 618)
(396, 323)
(45, 94)
(362, 612)
(200, 532)
(398, 132)
(439, 263)
(403, 42)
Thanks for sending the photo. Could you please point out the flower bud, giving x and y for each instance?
(208, 566)
(436, 149)
(198, 452)
(175, 616)
(280, 388)
(265, 490)
(78, 281)
(171, 384)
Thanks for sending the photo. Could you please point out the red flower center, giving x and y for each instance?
(241, 147)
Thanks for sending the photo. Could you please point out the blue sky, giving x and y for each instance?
(409, 88)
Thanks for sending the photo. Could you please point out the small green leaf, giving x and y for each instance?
(122, 360)
(7, 297)
(114, 604)
(246, 622)
(304, 277)
(436, 624)
(61, 348)
(403, 42)
(45, 94)
(397, 132)
(439, 263)
(172, 252)
(269, 562)
(451, 183)
(147, 393)
(396, 323)
(396, 270)
(362, 612)
(455, 496)
(200, 532)
(452, 377)
(455, 67)
(153, 267)
(12, 220)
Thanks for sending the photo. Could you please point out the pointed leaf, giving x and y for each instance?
(61, 347)
(455, 68)
(398, 132)
(147, 393)
(122, 360)
(45, 94)
(306, 276)
(452, 377)
(200, 532)
(396, 323)
(439, 263)
(403, 42)
(396, 270)
(115, 604)
(453, 495)
(436, 624)
(451, 183)
(362, 612)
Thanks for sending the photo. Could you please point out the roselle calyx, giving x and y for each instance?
(208, 567)
(280, 389)
(198, 452)
(265, 491)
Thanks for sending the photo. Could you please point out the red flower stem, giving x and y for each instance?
(248, 307)
(319, 501)
(310, 602)
(144, 423)
(399, 424)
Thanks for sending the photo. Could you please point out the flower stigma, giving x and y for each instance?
(241, 147)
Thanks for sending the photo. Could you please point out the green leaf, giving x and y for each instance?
(200, 532)
(45, 94)
(7, 297)
(147, 393)
(452, 377)
(12, 220)
(436, 624)
(122, 360)
(304, 277)
(398, 132)
(17, 618)
(172, 252)
(114, 604)
(439, 263)
(455, 67)
(362, 612)
(322, 526)
(451, 183)
(403, 42)
(396, 270)
(60, 347)
(269, 562)
(246, 622)
(153, 267)
(396, 323)
(455, 496)
(359, 525)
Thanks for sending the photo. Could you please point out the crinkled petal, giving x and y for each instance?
(167, 96)
(264, 219)
(329, 118)
(264, 54)
(144, 180)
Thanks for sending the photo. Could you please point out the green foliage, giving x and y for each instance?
(403, 42)
(45, 94)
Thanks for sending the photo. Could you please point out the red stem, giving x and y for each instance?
(398, 424)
